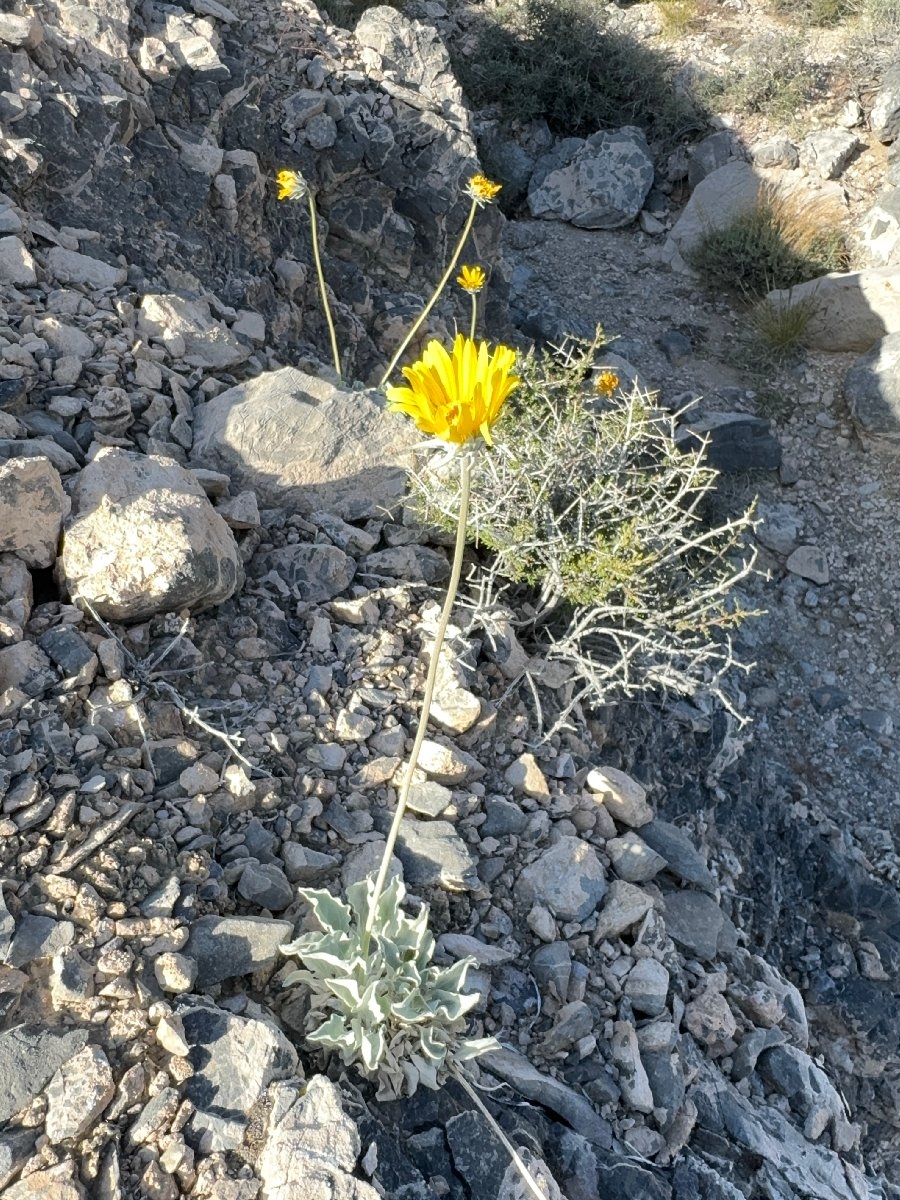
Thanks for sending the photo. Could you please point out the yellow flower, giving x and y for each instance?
(471, 279)
(482, 190)
(606, 382)
(456, 396)
(291, 185)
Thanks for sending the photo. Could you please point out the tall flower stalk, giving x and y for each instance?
(481, 191)
(292, 186)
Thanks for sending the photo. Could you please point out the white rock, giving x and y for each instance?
(143, 538)
(64, 339)
(16, 264)
(78, 1093)
(622, 796)
(850, 311)
(189, 331)
(632, 1076)
(32, 507)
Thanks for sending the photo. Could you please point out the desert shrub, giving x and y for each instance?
(775, 78)
(557, 60)
(592, 522)
(788, 238)
(821, 13)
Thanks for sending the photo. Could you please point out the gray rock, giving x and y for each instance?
(736, 441)
(776, 152)
(884, 118)
(872, 391)
(311, 1146)
(827, 152)
(626, 1057)
(432, 853)
(321, 132)
(39, 937)
(779, 527)
(597, 183)
(850, 311)
(682, 857)
(265, 885)
(143, 538)
(68, 266)
(879, 231)
(302, 443)
(628, 1181)
(633, 859)
(188, 330)
(573, 1022)
(478, 1154)
(75, 659)
(503, 819)
(647, 987)
(626, 904)
(518, 1072)
(7, 927)
(16, 264)
(809, 562)
(411, 51)
(318, 571)
(306, 866)
(26, 667)
(568, 878)
(695, 922)
(551, 966)
(665, 1074)
(227, 947)
(794, 1074)
(719, 199)
(15, 1150)
(32, 507)
(622, 796)
(418, 564)
(708, 155)
(78, 1093)
(29, 1056)
(234, 1060)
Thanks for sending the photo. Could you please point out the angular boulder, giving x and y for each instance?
(879, 231)
(872, 391)
(189, 331)
(32, 507)
(300, 442)
(884, 119)
(850, 310)
(143, 539)
(596, 183)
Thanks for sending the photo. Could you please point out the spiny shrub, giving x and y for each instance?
(557, 60)
(788, 238)
(593, 522)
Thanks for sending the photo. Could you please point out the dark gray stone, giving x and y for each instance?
(708, 155)
(227, 947)
(38, 937)
(665, 1074)
(7, 927)
(503, 818)
(266, 885)
(234, 1060)
(872, 390)
(29, 1057)
(884, 117)
(695, 922)
(575, 1165)
(682, 857)
(628, 1181)
(16, 1147)
(676, 346)
(478, 1154)
(432, 852)
(552, 966)
(318, 571)
(418, 564)
(829, 699)
(71, 653)
(596, 183)
(736, 442)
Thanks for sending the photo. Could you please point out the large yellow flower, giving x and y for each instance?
(471, 279)
(456, 396)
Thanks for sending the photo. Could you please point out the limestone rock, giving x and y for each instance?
(568, 878)
(68, 266)
(78, 1093)
(597, 183)
(872, 391)
(851, 310)
(16, 264)
(32, 507)
(302, 443)
(29, 1056)
(879, 231)
(827, 152)
(188, 331)
(717, 200)
(622, 796)
(143, 538)
(884, 119)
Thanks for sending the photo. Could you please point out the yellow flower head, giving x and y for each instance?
(606, 382)
(456, 396)
(471, 279)
(482, 190)
(291, 185)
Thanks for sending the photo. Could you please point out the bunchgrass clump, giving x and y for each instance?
(789, 237)
(775, 79)
(558, 60)
(592, 522)
(677, 17)
(782, 327)
(819, 13)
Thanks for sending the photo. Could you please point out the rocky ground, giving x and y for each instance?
(684, 928)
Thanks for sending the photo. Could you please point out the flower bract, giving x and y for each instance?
(291, 185)
(456, 396)
(471, 279)
(482, 190)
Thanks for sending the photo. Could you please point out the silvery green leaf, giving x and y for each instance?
(332, 1033)
(325, 964)
(412, 1010)
(389, 901)
(347, 991)
(359, 896)
(471, 1048)
(331, 913)
(432, 1047)
(371, 1048)
(374, 1005)
(453, 978)
(300, 976)
(427, 1071)
(451, 1007)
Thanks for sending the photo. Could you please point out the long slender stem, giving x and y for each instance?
(430, 680)
(507, 1144)
(318, 260)
(474, 315)
(434, 298)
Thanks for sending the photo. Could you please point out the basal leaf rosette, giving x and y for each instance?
(382, 1005)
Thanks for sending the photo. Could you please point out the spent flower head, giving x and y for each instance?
(606, 382)
(456, 396)
(482, 190)
(471, 279)
(291, 185)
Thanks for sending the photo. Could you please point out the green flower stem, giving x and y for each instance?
(467, 229)
(474, 316)
(527, 1177)
(318, 260)
(430, 680)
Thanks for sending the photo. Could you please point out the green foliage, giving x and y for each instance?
(821, 13)
(775, 79)
(377, 1001)
(788, 238)
(593, 518)
(782, 327)
(557, 60)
